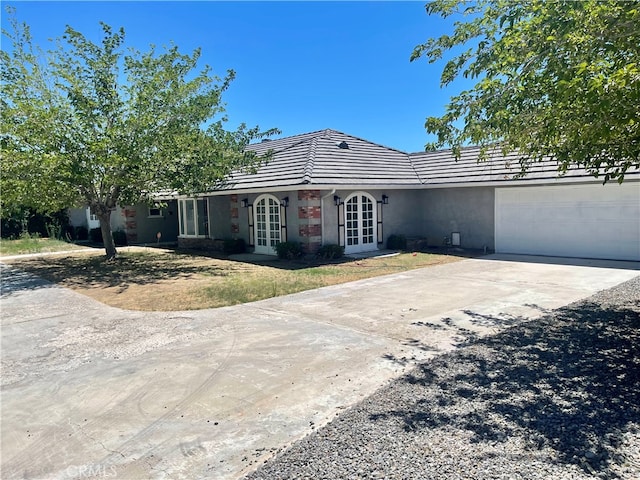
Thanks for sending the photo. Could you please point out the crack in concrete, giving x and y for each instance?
(77, 428)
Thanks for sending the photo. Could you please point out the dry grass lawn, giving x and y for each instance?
(165, 280)
(30, 244)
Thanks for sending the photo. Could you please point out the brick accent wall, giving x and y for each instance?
(309, 212)
(307, 231)
(201, 244)
(235, 214)
(312, 247)
(130, 224)
(309, 195)
(309, 220)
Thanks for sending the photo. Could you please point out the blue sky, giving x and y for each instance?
(301, 66)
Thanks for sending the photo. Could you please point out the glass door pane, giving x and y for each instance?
(352, 223)
(203, 218)
(360, 224)
(267, 225)
(274, 222)
(190, 218)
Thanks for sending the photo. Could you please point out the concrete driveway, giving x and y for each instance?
(90, 391)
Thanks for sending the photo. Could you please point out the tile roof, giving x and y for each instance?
(326, 157)
(317, 159)
(441, 168)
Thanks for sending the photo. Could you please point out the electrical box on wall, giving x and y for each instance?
(455, 239)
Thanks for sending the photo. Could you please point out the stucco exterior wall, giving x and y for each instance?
(312, 216)
(401, 216)
(118, 218)
(134, 220)
(77, 217)
(329, 217)
(469, 211)
(147, 228)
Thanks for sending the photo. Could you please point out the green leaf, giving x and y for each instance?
(88, 123)
(555, 79)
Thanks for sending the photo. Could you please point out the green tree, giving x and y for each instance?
(558, 79)
(87, 123)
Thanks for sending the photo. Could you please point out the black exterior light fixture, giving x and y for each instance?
(343, 145)
(285, 202)
(244, 203)
(385, 200)
(337, 200)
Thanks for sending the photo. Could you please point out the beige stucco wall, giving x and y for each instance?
(469, 211)
(430, 213)
(401, 216)
(148, 227)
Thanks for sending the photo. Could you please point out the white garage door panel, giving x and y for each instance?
(590, 221)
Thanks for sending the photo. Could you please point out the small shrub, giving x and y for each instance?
(12, 227)
(289, 250)
(119, 238)
(234, 245)
(330, 251)
(69, 233)
(29, 236)
(25, 219)
(96, 235)
(397, 242)
(82, 233)
(54, 230)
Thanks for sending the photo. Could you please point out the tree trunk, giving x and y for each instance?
(107, 236)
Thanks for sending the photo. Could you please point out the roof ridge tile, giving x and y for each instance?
(311, 157)
(415, 171)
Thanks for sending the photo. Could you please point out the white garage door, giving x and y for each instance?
(588, 221)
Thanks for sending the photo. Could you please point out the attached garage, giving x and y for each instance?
(569, 220)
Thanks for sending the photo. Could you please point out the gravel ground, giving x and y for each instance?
(557, 397)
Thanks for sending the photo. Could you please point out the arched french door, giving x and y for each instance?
(360, 222)
(267, 224)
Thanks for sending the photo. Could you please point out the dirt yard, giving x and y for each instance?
(167, 280)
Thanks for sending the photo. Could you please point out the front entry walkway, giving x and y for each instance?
(93, 391)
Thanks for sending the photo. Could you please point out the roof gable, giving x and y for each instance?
(325, 157)
(279, 144)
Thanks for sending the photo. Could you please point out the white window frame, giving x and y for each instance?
(92, 219)
(183, 218)
(160, 213)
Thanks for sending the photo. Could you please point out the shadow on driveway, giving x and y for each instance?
(15, 281)
(569, 382)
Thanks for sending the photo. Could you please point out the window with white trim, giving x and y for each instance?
(92, 219)
(193, 217)
(155, 211)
